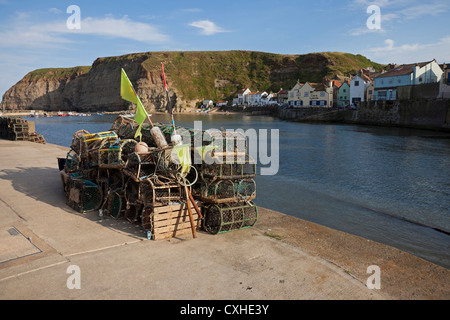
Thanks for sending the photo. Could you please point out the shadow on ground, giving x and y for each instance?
(44, 184)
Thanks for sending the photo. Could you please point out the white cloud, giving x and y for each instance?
(54, 10)
(207, 27)
(410, 53)
(25, 34)
(121, 28)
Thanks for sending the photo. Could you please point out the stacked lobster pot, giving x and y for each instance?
(154, 193)
(226, 185)
(81, 171)
(139, 181)
(18, 129)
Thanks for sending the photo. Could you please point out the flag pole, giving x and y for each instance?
(166, 87)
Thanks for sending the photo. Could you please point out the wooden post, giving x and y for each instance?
(194, 203)
(191, 217)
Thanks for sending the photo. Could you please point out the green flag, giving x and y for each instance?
(184, 156)
(126, 89)
(127, 93)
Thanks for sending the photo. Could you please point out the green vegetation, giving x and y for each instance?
(219, 75)
(57, 73)
(273, 235)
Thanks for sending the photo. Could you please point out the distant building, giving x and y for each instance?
(282, 96)
(387, 84)
(336, 85)
(311, 94)
(358, 86)
(222, 103)
(370, 92)
(343, 95)
(208, 103)
(322, 95)
(265, 98)
(254, 98)
(298, 96)
(242, 97)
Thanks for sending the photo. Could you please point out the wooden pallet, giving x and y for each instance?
(169, 221)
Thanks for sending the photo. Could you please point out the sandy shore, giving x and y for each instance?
(281, 258)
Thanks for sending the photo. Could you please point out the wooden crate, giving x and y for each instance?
(169, 221)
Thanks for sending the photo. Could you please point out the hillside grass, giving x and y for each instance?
(219, 75)
(57, 73)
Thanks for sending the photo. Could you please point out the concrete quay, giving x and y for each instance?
(281, 258)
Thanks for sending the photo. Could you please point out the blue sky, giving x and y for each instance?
(34, 34)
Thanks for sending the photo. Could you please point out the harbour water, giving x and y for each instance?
(389, 185)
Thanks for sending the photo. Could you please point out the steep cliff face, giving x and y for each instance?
(192, 77)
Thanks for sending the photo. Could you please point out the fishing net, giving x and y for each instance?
(133, 213)
(83, 195)
(89, 145)
(225, 217)
(220, 191)
(235, 168)
(153, 191)
(114, 153)
(115, 205)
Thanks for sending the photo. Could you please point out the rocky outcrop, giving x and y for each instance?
(192, 76)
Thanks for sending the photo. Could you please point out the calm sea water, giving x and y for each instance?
(389, 185)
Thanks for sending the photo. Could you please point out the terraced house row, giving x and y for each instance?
(400, 82)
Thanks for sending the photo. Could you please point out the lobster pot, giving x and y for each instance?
(121, 122)
(127, 130)
(90, 144)
(237, 168)
(169, 221)
(148, 191)
(224, 217)
(114, 153)
(115, 205)
(72, 163)
(227, 141)
(65, 181)
(141, 165)
(226, 190)
(76, 140)
(110, 179)
(156, 162)
(89, 173)
(133, 212)
(83, 195)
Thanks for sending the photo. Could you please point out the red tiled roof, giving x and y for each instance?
(336, 83)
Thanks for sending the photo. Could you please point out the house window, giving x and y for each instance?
(370, 91)
(344, 90)
(356, 83)
(322, 94)
(306, 94)
(292, 94)
(420, 79)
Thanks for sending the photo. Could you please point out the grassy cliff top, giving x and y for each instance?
(57, 73)
(219, 75)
